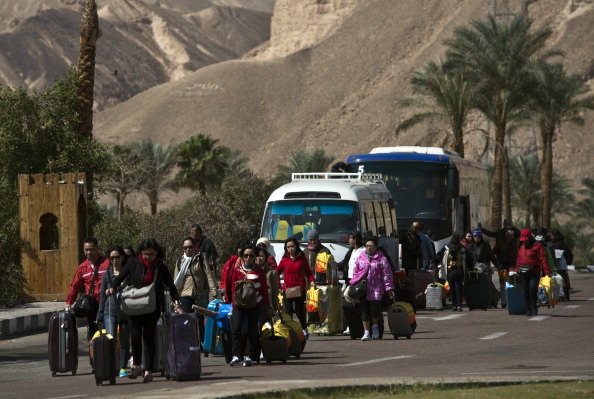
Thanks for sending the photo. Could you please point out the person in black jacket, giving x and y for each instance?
(142, 271)
(480, 251)
(411, 248)
(563, 257)
(205, 248)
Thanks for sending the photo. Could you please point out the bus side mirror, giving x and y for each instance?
(453, 182)
(253, 231)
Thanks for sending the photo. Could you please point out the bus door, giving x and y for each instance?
(461, 214)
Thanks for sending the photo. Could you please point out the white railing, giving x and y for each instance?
(350, 177)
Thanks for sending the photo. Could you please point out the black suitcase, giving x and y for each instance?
(478, 291)
(104, 358)
(352, 313)
(399, 322)
(183, 346)
(160, 354)
(62, 343)
(274, 347)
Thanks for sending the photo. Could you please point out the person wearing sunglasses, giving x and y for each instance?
(246, 273)
(193, 280)
(109, 311)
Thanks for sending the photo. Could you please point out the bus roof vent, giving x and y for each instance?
(312, 194)
(414, 149)
(347, 177)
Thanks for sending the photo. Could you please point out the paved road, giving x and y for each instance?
(448, 346)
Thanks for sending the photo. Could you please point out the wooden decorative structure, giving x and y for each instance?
(53, 225)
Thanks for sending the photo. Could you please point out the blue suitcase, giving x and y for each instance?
(515, 299)
(217, 331)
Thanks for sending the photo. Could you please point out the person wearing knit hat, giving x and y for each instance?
(480, 253)
(263, 242)
(315, 247)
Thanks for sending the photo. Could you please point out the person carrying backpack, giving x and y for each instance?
(246, 286)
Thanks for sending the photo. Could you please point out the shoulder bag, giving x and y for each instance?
(244, 294)
(359, 289)
(85, 304)
(200, 298)
(139, 301)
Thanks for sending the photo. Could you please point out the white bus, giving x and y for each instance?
(335, 204)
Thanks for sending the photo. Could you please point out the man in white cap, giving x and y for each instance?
(314, 247)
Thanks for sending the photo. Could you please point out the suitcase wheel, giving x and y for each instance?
(268, 361)
(162, 373)
(205, 354)
(74, 372)
(53, 373)
(395, 336)
(284, 361)
(98, 381)
(112, 381)
(484, 308)
(408, 337)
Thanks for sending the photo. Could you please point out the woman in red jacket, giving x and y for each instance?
(296, 268)
(531, 262)
(246, 270)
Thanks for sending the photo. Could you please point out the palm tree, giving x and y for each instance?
(498, 58)
(202, 163)
(524, 171)
(89, 33)
(557, 100)
(302, 161)
(446, 95)
(158, 163)
(125, 175)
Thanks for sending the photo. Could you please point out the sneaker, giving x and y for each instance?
(247, 361)
(148, 378)
(306, 334)
(346, 332)
(375, 332)
(366, 336)
(235, 361)
(123, 373)
(136, 372)
(459, 308)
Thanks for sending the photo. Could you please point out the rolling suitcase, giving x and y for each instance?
(478, 291)
(516, 303)
(561, 284)
(62, 343)
(330, 306)
(420, 280)
(352, 314)
(433, 296)
(183, 346)
(399, 321)
(105, 365)
(274, 347)
(495, 296)
(217, 331)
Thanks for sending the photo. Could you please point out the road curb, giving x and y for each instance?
(24, 324)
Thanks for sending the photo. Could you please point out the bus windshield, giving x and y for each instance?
(333, 219)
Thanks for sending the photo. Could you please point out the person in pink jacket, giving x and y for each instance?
(532, 260)
(296, 270)
(374, 266)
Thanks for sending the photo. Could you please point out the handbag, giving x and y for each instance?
(358, 290)
(85, 304)
(244, 294)
(293, 292)
(139, 301)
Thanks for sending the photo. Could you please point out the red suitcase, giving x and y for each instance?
(421, 279)
(62, 343)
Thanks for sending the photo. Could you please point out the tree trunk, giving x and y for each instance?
(89, 32)
(506, 190)
(496, 188)
(459, 142)
(546, 175)
(153, 207)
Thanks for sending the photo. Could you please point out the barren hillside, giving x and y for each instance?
(147, 42)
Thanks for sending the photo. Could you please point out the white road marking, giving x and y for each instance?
(385, 359)
(521, 372)
(571, 306)
(539, 318)
(227, 382)
(494, 335)
(590, 299)
(448, 317)
(71, 396)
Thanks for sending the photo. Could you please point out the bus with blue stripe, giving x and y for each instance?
(445, 192)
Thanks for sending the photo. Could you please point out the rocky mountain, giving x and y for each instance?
(336, 85)
(147, 42)
(330, 76)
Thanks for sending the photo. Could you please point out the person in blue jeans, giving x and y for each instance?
(109, 311)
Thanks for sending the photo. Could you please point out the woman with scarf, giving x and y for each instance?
(193, 281)
(373, 265)
(246, 270)
(296, 270)
(142, 271)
